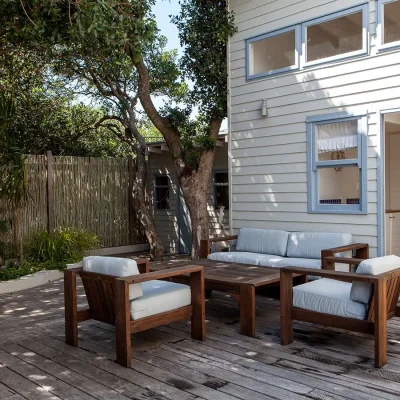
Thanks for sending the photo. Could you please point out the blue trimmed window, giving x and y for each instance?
(333, 37)
(388, 26)
(273, 53)
(337, 164)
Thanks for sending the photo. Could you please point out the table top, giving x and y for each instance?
(227, 273)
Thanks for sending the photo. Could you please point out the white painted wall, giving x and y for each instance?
(268, 164)
(167, 220)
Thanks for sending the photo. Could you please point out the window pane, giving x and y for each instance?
(273, 53)
(162, 180)
(221, 177)
(162, 198)
(391, 21)
(339, 185)
(337, 141)
(338, 36)
(222, 197)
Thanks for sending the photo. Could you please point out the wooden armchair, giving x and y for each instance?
(205, 244)
(109, 301)
(381, 307)
(360, 252)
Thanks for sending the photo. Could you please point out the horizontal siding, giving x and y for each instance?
(269, 162)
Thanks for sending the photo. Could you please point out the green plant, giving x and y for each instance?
(3, 245)
(66, 246)
(17, 270)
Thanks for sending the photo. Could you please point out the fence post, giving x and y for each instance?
(50, 193)
(131, 216)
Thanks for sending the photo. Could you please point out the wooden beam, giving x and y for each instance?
(50, 193)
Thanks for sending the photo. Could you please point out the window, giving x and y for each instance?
(388, 23)
(337, 36)
(337, 170)
(273, 53)
(221, 190)
(330, 38)
(161, 186)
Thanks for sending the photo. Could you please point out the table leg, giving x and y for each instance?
(247, 310)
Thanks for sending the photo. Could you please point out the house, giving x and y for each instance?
(166, 200)
(314, 118)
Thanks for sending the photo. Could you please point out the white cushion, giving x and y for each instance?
(310, 244)
(262, 241)
(244, 258)
(363, 291)
(328, 296)
(113, 266)
(159, 297)
(299, 262)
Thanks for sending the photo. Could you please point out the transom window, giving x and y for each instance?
(161, 192)
(337, 175)
(388, 23)
(221, 190)
(330, 38)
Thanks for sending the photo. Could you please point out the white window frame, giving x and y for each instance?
(313, 165)
(363, 51)
(250, 41)
(380, 28)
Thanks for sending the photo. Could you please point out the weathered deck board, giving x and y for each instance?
(321, 364)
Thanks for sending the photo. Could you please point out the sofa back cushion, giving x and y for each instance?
(363, 291)
(262, 241)
(310, 244)
(113, 266)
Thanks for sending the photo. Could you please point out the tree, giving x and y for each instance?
(118, 45)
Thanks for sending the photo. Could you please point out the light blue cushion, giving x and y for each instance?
(310, 244)
(262, 241)
(241, 257)
(328, 296)
(363, 291)
(299, 262)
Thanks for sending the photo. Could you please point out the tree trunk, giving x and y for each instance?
(142, 208)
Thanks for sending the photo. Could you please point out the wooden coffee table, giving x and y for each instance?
(241, 281)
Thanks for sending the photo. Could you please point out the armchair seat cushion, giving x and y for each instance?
(159, 297)
(328, 296)
(243, 257)
(114, 266)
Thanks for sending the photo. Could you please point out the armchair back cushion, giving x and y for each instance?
(113, 266)
(262, 241)
(310, 244)
(363, 291)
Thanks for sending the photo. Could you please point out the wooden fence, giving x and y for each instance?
(81, 192)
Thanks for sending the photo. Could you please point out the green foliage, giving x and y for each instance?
(17, 270)
(64, 246)
(3, 245)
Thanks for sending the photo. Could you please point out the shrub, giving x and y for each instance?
(64, 246)
(17, 270)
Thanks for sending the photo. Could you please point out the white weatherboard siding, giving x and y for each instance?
(268, 155)
(167, 220)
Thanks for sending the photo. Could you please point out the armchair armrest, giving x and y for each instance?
(205, 244)
(360, 252)
(167, 273)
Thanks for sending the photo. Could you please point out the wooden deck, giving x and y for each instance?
(322, 364)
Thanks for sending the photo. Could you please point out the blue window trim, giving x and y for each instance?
(313, 165)
(155, 199)
(358, 53)
(379, 29)
(296, 29)
(300, 43)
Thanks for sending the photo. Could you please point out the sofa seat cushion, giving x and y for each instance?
(299, 262)
(310, 244)
(363, 291)
(242, 257)
(328, 296)
(114, 266)
(262, 241)
(159, 297)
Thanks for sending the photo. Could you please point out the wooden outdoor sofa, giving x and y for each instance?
(109, 302)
